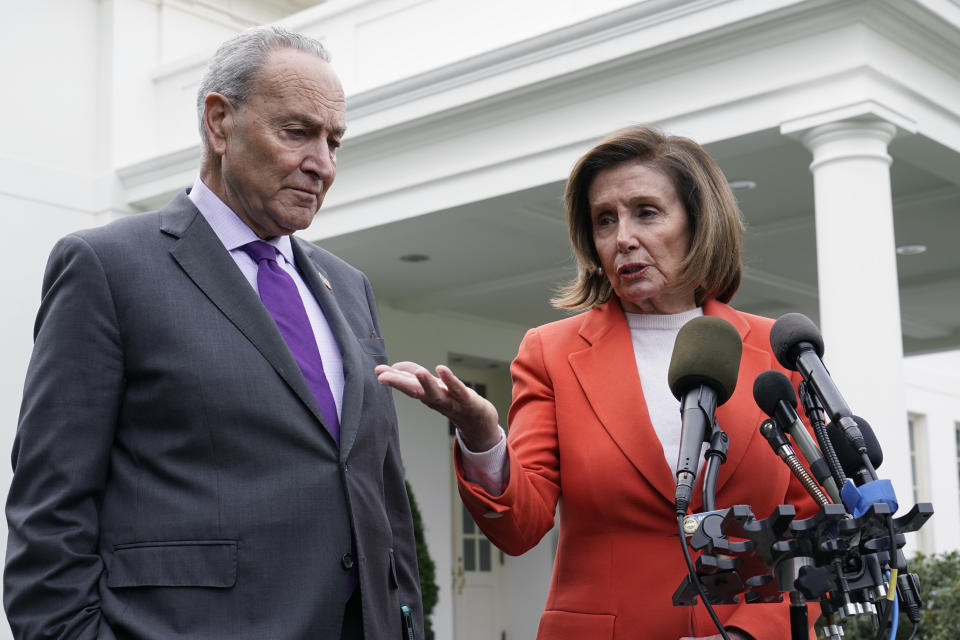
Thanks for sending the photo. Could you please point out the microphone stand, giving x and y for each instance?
(798, 617)
(832, 558)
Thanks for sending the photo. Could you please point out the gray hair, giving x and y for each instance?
(235, 64)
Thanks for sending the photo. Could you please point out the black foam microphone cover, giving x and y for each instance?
(849, 458)
(771, 387)
(707, 351)
(788, 332)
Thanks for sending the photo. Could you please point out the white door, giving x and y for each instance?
(478, 606)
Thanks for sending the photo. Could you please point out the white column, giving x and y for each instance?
(857, 277)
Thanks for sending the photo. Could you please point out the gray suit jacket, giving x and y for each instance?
(172, 473)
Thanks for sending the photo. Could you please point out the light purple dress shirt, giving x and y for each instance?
(234, 233)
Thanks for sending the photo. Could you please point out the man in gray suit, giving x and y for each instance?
(180, 468)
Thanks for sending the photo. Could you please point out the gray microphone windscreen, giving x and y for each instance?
(707, 351)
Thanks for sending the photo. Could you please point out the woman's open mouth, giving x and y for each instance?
(634, 269)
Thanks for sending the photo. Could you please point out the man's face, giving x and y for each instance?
(279, 148)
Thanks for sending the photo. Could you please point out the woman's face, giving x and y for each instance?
(641, 234)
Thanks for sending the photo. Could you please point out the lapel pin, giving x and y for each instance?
(325, 282)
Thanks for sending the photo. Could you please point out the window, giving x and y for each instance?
(919, 457)
(476, 547)
(912, 430)
(919, 474)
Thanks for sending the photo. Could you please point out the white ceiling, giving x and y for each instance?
(502, 258)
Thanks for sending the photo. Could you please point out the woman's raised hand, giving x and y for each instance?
(475, 416)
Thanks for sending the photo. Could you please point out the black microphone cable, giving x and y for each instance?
(696, 579)
(715, 456)
(891, 584)
(816, 414)
(868, 464)
(908, 590)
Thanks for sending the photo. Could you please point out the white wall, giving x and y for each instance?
(933, 394)
(429, 340)
(425, 445)
(51, 74)
(375, 43)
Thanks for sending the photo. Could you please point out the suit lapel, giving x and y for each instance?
(619, 403)
(203, 258)
(326, 296)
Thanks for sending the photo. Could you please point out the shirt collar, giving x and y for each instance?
(232, 231)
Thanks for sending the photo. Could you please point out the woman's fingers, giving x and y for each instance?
(474, 415)
(445, 393)
(402, 377)
(459, 391)
(417, 382)
(435, 391)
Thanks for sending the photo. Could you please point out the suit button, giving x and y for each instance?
(347, 561)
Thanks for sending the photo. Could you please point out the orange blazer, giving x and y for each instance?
(579, 430)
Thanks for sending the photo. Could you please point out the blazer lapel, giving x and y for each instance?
(353, 370)
(203, 258)
(621, 408)
(618, 401)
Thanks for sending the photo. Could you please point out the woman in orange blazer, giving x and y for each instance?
(593, 425)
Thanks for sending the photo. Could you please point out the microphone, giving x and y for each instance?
(851, 461)
(798, 346)
(702, 375)
(774, 394)
(781, 447)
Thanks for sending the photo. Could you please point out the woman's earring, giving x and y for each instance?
(599, 271)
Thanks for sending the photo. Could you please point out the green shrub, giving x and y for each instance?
(428, 570)
(940, 590)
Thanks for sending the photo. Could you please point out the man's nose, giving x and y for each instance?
(321, 162)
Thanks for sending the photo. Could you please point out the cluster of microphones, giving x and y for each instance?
(847, 557)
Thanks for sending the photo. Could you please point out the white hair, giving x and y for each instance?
(234, 66)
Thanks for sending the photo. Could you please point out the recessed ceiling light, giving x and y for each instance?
(742, 185)
(911, 249)
(414, 257)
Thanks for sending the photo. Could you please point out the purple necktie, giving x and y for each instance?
(281, 297)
